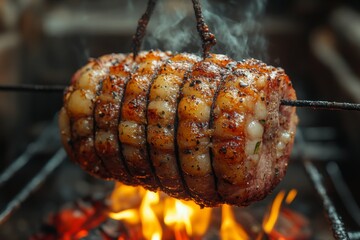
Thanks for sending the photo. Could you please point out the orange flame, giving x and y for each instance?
(291, 196)
(186, 217)
(125, 197)
(271, 218)
(186, 220)
(129, 216)
(230, 229)
(200, 219)
(151, 227)
(177, 215)
(269, 223)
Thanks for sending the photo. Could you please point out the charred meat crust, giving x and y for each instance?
(212, 131)
(161, 123)
(79, 104)
(106, 120)
(133, 118)
(194, 134)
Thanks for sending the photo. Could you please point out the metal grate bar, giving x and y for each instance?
(354, 235)
(335, 220)
(41, 143)
(343, 190)
(54, 162)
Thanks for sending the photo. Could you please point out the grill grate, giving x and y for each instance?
(47, 140)
(43, 143)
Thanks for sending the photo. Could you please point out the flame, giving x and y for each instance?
(185, 220)
(200, 219)
(271, 218)
(230, 229)
(186, 217)
(269, 222)
(151, 226)
(291, 196)
(129, 216)
(125, 197)
(177, 215)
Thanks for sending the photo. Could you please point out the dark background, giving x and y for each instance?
(315, 41)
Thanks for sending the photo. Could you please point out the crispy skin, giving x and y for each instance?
(246, 163)
(79, 106)
(132, 132)
(106, 115)
(193, 136)
(161, 114)
(211, 130)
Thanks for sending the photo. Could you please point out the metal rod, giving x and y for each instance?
(32, 88)
(32, 148)
(354, 235)
(321, 104)
(19, 163)
(344, 191)
(54, 162)
(295, 103)
(208, 39)
(141, 27)
(335, 220)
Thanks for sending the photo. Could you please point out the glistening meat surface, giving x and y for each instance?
(211, 130)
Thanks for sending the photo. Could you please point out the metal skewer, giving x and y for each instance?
(321, 104)
(32, 88)
(285, 102)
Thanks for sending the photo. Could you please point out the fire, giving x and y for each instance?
(177, 215)
(163, 217)
(230, 229)
(130, 216)
(151, 227)
(291, 196)
(200, 219)
(271, 218)
(185, 219)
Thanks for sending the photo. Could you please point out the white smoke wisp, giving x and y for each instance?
(235, 23)
(172, 26)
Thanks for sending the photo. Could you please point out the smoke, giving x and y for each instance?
(235, 23)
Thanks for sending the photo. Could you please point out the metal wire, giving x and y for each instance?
(336, 223)
(295, 103)
(32, 88)
(42, 142)
(321, 104)
(344, 191)
(50, 166)
(354, 235)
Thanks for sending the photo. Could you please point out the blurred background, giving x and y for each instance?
(317, 42)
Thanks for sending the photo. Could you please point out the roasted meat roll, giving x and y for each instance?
(209, 130)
